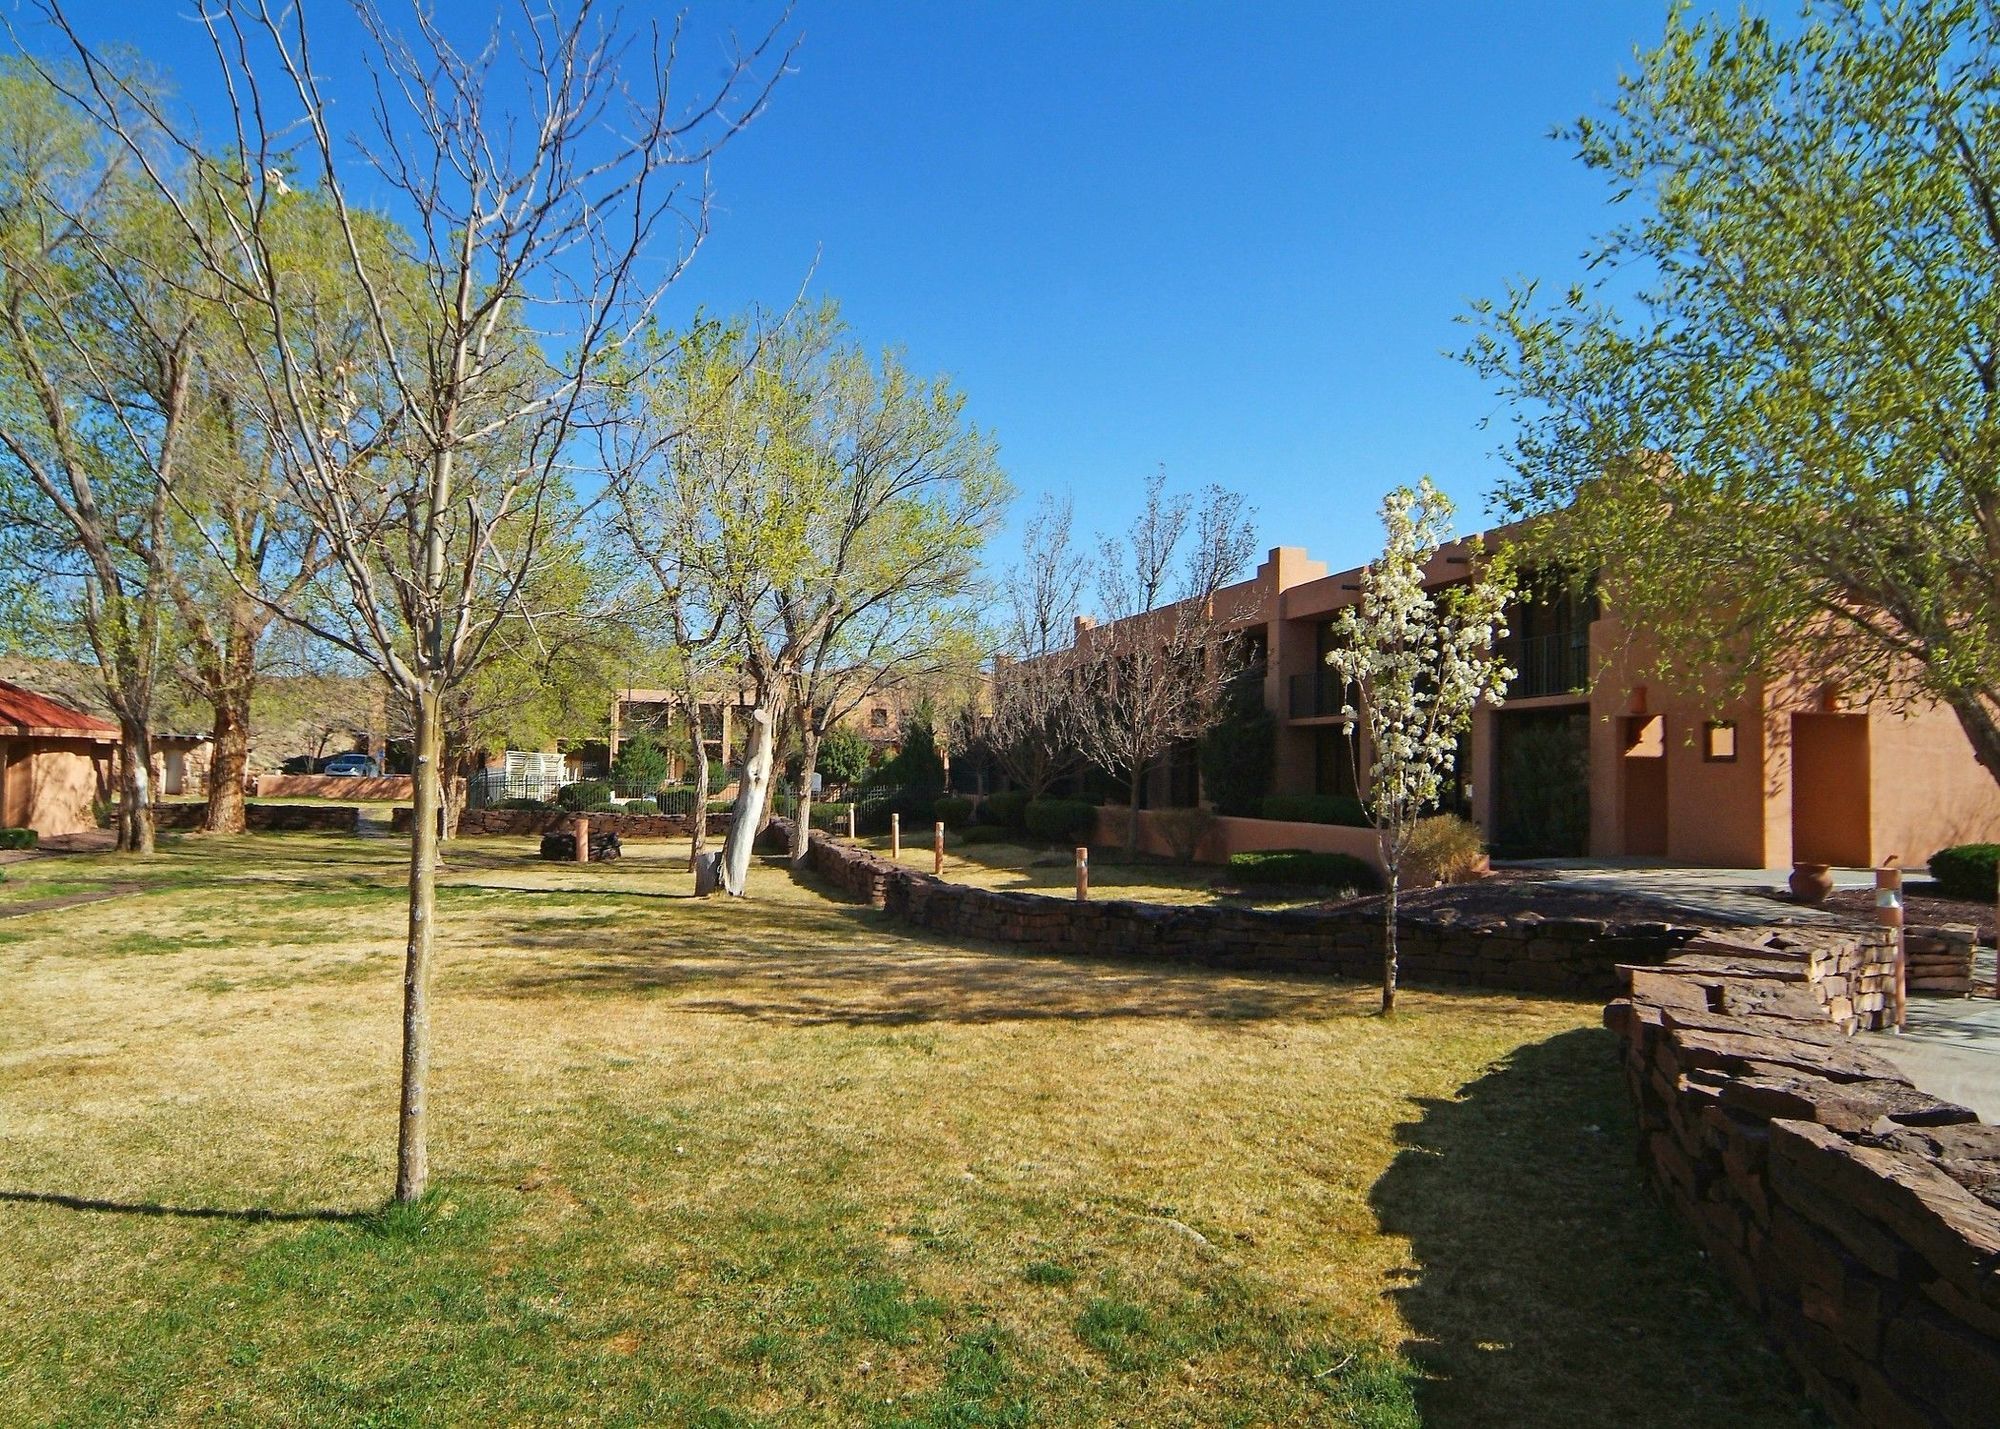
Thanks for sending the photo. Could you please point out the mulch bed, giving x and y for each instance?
(1922, 903)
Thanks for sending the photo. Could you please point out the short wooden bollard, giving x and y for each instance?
(1083, 875)
(937, 849)
(583, 840)
(1889, 914)
(895, 837)
(852, 826)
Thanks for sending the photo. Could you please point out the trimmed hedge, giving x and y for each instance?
(19, 838)
(1008, 809)
(1967, 870)
(1298, 868)
(1342, 809)
(831, 818)
(586, 796)
(1068, 821)
(536, 806)
(952, 811)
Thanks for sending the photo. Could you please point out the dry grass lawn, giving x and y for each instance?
(778, 1163)
(1022, 868)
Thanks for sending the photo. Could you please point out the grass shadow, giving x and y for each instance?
(250, 1214)
(1550, 1287)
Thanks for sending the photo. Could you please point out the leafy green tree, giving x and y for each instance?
(641, 765)
(844, 756)
(1771, 422)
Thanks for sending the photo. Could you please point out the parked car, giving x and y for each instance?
(353, 766)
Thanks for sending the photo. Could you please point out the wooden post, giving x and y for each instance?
(582, 839)
(1083, 875)
(853, 825)
(937, 849)
(1889, 914)
(895, 837)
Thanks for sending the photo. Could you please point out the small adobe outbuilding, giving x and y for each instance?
(54, 761)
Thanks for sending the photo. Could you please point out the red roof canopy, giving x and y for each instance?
(25, 712)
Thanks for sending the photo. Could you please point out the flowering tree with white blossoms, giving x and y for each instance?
(1417, 663)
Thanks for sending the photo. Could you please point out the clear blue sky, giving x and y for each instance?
(1226, 239)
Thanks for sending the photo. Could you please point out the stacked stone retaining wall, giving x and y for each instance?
(1524, 953)
(1857, 1215)
(474, 823)
(268, 818)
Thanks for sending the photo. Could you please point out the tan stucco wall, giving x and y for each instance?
(50, 789)
(1926, 791)
(1227, 836)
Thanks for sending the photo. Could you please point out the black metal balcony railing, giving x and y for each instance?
(1557, 664)
(1314, 694)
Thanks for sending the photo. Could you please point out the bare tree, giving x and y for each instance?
(1029, 728)
(531, 179)
(1153, 673)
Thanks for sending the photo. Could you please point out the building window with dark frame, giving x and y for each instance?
(878, 718)
(1718, 742)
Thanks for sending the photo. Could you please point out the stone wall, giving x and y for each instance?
(1940, 957)
(1857, 1215)
(1578, 956)
(268, 818)
(524, 822)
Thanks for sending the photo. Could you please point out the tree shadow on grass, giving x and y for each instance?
(251, 1214)
(1550, 1287)
(845, 964)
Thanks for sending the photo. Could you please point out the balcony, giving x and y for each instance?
(1315, 694)
(1555, 664)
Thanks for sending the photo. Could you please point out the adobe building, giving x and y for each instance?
(54, 761)
(1583, 760)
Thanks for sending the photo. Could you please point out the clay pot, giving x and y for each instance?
(1811, 882)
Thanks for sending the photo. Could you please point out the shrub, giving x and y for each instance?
(952, 811)
(19, 838)
(983, 834)
(1444, 849)
(1296, 868)
(534, 806)
(844, 756)
(585, 796)
(641, 766)
(1070, 821)
(1008, 809)
(1967, 870)
(831, 818)
(1316, 809)
(1183, 829)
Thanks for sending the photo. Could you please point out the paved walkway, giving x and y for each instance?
(1950, 1046)
(1739, 896)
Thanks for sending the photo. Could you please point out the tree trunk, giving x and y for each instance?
(698, 821)
(135, 787)
(412, 1143)
(1392, 879)
(747, 820)
(228, 760)
(802, 826)
(1132, 815)
(232, 680)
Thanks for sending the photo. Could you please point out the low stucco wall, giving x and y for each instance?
(1857, 1215)
(1226, 836)
(322, 786)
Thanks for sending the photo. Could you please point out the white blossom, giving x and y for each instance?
(1419, 662)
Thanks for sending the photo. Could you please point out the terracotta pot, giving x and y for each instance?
(1811, 882)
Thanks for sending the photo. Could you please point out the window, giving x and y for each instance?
(878, 718)
(1718, 741)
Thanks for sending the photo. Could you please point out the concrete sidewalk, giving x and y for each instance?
(1735, 896)
(1950, 1046)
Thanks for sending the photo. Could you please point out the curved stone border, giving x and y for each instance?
(1856, 1214)
(1524, 953)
